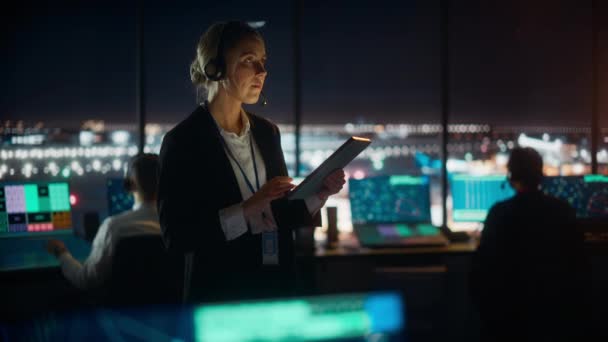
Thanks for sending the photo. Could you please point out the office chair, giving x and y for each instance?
(144, 273)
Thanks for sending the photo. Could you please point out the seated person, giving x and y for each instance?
(524, 278)
(142, 181)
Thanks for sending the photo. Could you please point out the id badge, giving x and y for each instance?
(270, 248)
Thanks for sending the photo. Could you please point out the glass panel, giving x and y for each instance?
(602, 155)
(372, 73)
(67, 99)
(521, 75)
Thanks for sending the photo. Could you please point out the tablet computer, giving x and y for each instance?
(338, 160)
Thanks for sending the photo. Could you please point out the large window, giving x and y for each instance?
(521, 75)
(602, 21)
(67, 96)
(372, 69)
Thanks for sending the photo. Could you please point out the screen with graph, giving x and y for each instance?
(390, 199)
(473, 196)
(32, 208)
(587, 194)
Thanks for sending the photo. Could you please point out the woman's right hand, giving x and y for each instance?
(274, 189)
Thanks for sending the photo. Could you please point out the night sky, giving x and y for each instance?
(513, 62)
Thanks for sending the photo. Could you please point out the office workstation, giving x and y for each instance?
(315, 171)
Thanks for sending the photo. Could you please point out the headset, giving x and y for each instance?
(528, 166)
(127, 183)
(135, 166)
(215, 68)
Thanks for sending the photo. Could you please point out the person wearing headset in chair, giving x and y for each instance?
(526, 271)
(223, 179)
(141, 180)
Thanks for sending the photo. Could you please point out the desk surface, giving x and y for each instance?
(23, 253)
(349, 246)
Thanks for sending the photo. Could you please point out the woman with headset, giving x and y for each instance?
(223, 179)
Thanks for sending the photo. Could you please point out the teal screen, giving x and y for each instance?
(473, 196)
(390, 199)
(587, 194)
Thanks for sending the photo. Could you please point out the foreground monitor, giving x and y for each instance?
(390, 199)
(345, 317)
(473, 196)
(34, 208)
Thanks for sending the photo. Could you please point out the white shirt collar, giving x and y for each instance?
(244, 131)
(139, 205)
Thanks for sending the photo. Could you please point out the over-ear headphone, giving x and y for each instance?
(215, 69)
(127, 182)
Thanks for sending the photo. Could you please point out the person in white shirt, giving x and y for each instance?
(223, 179)
(142, 181)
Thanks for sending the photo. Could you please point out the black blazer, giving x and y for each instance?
(196, 181)
(526, 272)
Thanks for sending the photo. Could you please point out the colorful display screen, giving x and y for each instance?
(34, 208)
(390, 199)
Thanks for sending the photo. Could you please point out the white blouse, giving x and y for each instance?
(232, 218)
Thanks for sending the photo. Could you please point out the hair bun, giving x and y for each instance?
(196, 73)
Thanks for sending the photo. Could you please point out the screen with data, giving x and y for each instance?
(375, 316)
(587, 194)
(473, 196)
(33, 208)
(390, 199)
(119, 199)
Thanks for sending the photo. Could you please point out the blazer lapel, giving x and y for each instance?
(218, 158)
(264, 142)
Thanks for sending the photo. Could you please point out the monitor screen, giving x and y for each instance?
(34, 208)
(390, 199)
(119, 199)
(473, 196)
(324, 318)
(587, 194)
(374, 316)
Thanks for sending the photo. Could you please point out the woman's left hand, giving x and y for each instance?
(332, 184)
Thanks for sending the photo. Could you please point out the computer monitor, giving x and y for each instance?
(596, 187)
(390, 199)
(119, 199)
(587, 194)
(348, 317)
(373, 316)
(473, 196)
(34, 208)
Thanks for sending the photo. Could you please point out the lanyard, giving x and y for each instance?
(255, 167)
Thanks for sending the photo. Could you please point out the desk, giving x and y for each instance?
(353, 268)
(31, 281)
(23, 253)
(351, 250)
(433, 280)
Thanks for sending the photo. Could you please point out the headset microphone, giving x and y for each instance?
(264, 101)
